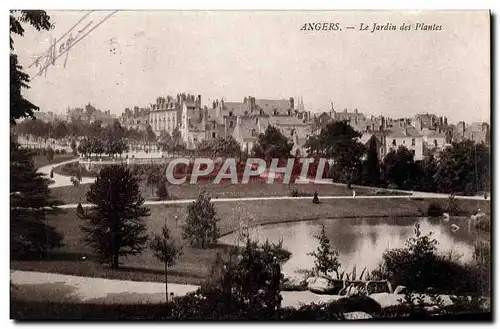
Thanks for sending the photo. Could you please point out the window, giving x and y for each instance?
(213, 135)
(261, 112)
(230, 124)
(394, 142)
(254, 133)
(435, 143)
(413, 142)
(230, 113)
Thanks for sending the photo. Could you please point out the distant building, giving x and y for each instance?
(165, 115)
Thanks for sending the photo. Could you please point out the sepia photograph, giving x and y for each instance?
(250, 165)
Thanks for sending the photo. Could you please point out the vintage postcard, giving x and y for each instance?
(250, 165)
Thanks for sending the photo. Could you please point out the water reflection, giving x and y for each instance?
(361, 242)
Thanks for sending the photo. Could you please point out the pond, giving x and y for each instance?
(362, 241)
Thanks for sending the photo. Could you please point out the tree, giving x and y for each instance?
(96, 146)
(425, 174)
(73, 146)
(398, 168)
(325, 258)
(166, 251)
(201, 223)
(339, 141)
(59, 131)
(166, 142)
(31, 205)
(464, 168)
(162, 191)
(114, 225)
(84, 147)
(19, 106)
(371, 166)
(50, 154)
(272, 144)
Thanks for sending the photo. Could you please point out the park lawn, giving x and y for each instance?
(71, 194)
(194, 266)
(41, 160)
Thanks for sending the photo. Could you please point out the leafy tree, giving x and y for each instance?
(59, 131)
(325, 258)
(50, 154)
(166, 251)
(114, 145)
(19, 106)
(84, 147)
(96, 146)
(149, 135)
(398, 168)
(464, 168)
(272, 144)
(425, 174)
(114, 225)
(371, 166)
(339, 141)
(31, 205)
(201, 223)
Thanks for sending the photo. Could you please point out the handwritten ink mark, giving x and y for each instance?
(51, 55)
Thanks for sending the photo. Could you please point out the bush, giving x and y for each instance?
(57, 152)
(434, 210)
(418, 267)
(201, 223)
(315, 198)
(294, 193)
(63, 151)
(162, 191)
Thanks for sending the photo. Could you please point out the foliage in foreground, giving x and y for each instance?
(31, 204)
(419, 268)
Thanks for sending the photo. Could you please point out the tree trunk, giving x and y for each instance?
(114, 264)
(166, 282)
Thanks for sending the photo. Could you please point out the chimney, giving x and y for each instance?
(445, 122)
(356, 111)
(292, 103)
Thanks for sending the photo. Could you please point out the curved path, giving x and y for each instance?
(61, 180)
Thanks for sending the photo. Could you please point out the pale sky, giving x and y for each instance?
(136, 56)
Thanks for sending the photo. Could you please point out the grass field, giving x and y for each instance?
(70, 194)
(195, 264)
